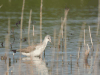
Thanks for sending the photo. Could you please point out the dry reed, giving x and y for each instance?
(98, 18)
(86, 57)
(33, 30)
(65, 42)
(7, 39)
(29, 27)
(61, 35)
(41, 20)
(77, 71)
(62, 28)
(80, 43)
(71, 62)
(91, 51)
(21, 35)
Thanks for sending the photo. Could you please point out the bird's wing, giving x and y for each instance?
(27, 49)
(38, 46)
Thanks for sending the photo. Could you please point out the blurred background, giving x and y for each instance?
(79, 11)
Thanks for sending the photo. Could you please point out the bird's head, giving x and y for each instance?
(48, 38)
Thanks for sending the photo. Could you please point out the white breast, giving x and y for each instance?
(38, 51)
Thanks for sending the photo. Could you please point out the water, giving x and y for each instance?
(80, 11)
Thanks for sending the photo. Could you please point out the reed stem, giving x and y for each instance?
(41, 20)
(21, 35)
(65, 35)
(98, 18)
(29, 27)
(7, 39)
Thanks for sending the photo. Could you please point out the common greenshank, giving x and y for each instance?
(36, 50)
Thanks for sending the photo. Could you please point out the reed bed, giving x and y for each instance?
(84, 49)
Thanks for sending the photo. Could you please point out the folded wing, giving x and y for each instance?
(27, 49)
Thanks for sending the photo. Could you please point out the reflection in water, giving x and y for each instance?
(40, 65)
(30, 66)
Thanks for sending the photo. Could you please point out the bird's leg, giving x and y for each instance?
(39, 56)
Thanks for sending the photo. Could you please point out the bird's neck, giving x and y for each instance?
(45, 42)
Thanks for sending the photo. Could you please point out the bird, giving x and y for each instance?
(36, 50)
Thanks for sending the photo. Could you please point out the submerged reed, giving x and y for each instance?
(7, 39)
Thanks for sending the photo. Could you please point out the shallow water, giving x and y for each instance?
(52, 12)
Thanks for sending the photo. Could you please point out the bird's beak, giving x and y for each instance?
(51, 42)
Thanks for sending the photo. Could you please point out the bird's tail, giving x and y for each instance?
(14, 51)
